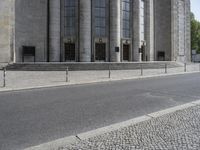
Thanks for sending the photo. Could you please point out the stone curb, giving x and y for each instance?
(92, 82)
(55, 145)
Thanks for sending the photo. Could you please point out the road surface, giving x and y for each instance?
(32, 117)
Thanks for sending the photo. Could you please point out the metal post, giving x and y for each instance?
(141, 67)
(165, 68)
(185, 67)
(109, 72)
(67, 74)
(4, 77)
(199, 67)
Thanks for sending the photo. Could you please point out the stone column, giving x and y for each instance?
(188, 30)
(85, 30)
(174, 30)
(149, 29)
(136, 30)
(115, 30)
(54, 31)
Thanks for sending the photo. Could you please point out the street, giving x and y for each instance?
(32, 117)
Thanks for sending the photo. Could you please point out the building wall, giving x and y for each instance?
(85, 30)
(188, 30)
(69, 34)
(31, 28)
(54, 30)
(6, 30)
(149, 29)
(136, 29)
(25, 23)
(101, 37)
(163, 36)
(181, 34)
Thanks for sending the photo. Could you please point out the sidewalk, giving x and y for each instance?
(178, 130)
(16, 80)
(174, 128)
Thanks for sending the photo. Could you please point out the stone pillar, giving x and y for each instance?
(7, 31)
(54, 31)
(115, 30)
(149, 29)
(85, 30)
(136, 30)
(188, 30)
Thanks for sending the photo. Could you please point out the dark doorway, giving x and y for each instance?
(126, 49)
(100, 52)
(69, 52)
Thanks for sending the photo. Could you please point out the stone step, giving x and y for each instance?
(89, 66)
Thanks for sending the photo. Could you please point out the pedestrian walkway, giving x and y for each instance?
(178, 130)
(16, 80)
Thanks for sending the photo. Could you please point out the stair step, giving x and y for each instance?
(88, 66)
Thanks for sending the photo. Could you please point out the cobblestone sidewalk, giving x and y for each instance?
(175, 131)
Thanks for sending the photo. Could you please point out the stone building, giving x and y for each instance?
(94, 30)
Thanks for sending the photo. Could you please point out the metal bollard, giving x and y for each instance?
(67, 75)
(141, 67)
(199, 67)
(109, 73)
(4, 77)
(185, 67)
(165, 68)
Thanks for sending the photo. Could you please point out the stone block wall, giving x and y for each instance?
(163, 36)
(6, 30)
(31, 28)
(25, 23)
(181, 33)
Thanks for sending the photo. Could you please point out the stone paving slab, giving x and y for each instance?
(175, 131)
(16, 80)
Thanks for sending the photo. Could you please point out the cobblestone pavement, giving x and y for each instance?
(28, 79)
(175, 131)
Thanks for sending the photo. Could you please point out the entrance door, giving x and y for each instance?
(100, 52)
(69, 52)
(126, 52)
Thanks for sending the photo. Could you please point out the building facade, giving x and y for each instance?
(94, 30)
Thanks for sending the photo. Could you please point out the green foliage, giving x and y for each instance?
(195, 33)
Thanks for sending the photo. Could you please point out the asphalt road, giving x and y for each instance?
(32, 117)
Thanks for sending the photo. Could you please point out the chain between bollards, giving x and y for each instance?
(4, 77)
(141, 67)
(67, 74)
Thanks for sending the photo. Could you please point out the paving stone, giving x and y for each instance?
(175, 131)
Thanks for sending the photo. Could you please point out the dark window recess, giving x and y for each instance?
(117, 49)
(161, 56)
(28, 51)
(100, 51)
(126, 52)
(69, 52)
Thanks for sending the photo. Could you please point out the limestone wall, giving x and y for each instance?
(181, 38)
(6, 30)
(162, 28)
(24, 23)
(149, 29)
(31, 28)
